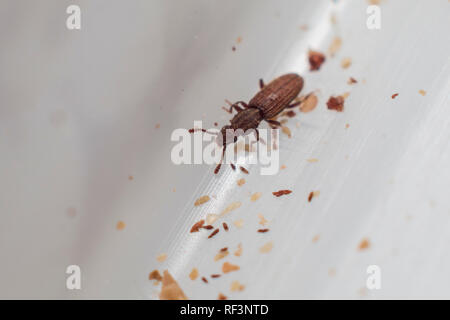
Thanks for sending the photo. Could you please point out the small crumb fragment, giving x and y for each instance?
(243, 170)
(215, 276)
(315, 238)
(170, 289)
(228, 267)
(281, 193)
(347, 126)
(332, 272)
(346, 62)
(222, 297)
(225, 226)
(266, 248)
(201, 200)
(239, 223)
(283, 167)
(309, 104)
(237, 286)
(352, 81)
(364, 244)
(394, 95)
(238, 251)
(194, 274)
(213, 233)
(204, 280)
(316, 59)
(162, 257)
(239, 40)
(334, 46)
(155, 275)
(286, 131)
(120, 225)
(221, 255)
(196, 227)
(312, 160)
(290, 114)
(255, 196)
(262, 220)
(336, 103)
(263, 230)
(130, 178)
(422, 92)
(233, 48)
(211, 218)
(157, 126)
(303, 27)
(231, 207)
(208, 227)
(240, 182)
(313, 194)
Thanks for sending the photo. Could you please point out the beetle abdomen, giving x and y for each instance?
(278, 94)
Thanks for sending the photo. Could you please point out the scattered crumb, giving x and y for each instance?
(157, 126)
(266, 248)
(71, 212)
(233, 48)
(239, 223)
(263, 230)
(222, 297)
(214, 233)
(290, 114)
(194, 274)
(283, 167)
(332, 272)
(225, 226)
(394, 95)
(422, 92)
(312, 195)
(201, 200)
(262, 220)
(316, 238)
(303, 27)
(346, 62)
(316, 59)
(155, 275)
(237, 286)
(309, 104)
(231, 207)
(243, 170)
(336, 103)
(334, 46)
(211, 218)
(281, 193)
(174, 190)
(215, 276)
(352, 81)
(216, 124)
(162, 257)
(239, 40)
(208, 227)
(238, 252)
(255, 196)
(120, 225)
(228, 267)
(240, 182)
(196, 227)
(204, 280)
(345, 95)
(347, 126)
(312, 160)
(364, 244)
(130, 178)
(170, 289)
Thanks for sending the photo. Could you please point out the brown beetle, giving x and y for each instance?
(265, 105)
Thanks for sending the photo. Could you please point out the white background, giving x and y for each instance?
(78, 116)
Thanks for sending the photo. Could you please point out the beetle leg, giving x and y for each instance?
(203, 130)
(273, 123)
(261, 83)
(216, 170)
(234, 106)
(294, 105)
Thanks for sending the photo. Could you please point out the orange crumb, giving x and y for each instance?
(240, 182)
(262, 220)
(309, 104)
(239, 223)
(315, 238)
(255, 196)
(170, 289)
(231, 207)
(286, 131)
(238, 252)
(194, 274)
(237, 286)
(201, 200)
(162, 257)
(283, 167)
(266, 248)
(422, 92)
(130, 178)
(120, 225)
(155, 275)
(221, 297)
(221, 255)
(364, 244)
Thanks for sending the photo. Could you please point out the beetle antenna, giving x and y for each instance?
(203, 130)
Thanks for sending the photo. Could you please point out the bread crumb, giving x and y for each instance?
(309, 104)
(196, 227)
(255, 196)
(162, 257)
(364, 244)
(222, 297)
(352, 81)
(170, 289)
(394, 95)
(221, 255)
(422, 92)
(237, 286)
(238, 252)
(312, 160)
(316, 238)
(211, 218)
(231, 207)
(228, 267)
(347, 126)
(130, 178)
(194, 274)
(286, 131)
(346, 62)
(155, 275)
(240, 182)
(336, 103)
(239, 223)
(120, 225)
(201, 200)
(266, 248)
(334, 46)
(262, 220)
(316, 59)
(332, 272)
(282, 167)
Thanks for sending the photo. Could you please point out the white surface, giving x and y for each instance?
(78, 113)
